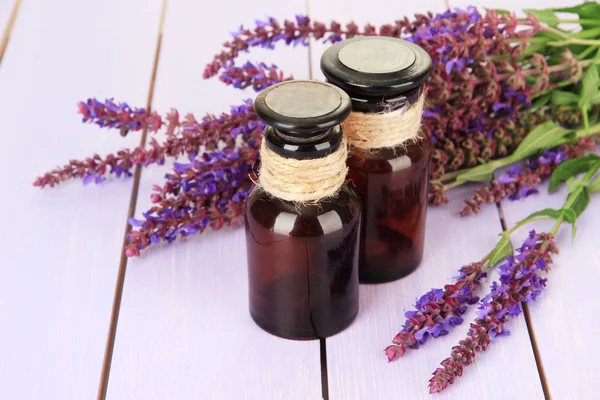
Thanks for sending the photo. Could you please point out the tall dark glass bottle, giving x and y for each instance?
(383, 75)
(303, 256)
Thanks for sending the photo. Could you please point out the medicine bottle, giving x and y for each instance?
(389, 154)
(302, 218)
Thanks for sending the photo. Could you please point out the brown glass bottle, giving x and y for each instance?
(303, 258)
(384, 75)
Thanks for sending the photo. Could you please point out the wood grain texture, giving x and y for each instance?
(184, 330)
(60, 248)
(563, 318)
(8, 12)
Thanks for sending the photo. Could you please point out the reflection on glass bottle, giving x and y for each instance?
(302, 267)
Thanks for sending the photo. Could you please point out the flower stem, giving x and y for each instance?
(580, 21)
(525, 222)
(451, 175)
(583, 55)
(453, 184)
(556, 32)
(571, 199)
(585, 42)
(586, 132)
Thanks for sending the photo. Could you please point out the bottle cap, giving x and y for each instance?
(302, 115)
(376, 65)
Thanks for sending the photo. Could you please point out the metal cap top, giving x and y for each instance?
(376, 65)
(302, 108)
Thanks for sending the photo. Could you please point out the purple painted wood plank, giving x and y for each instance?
(184, 330)
(60, 248)
(563, 318)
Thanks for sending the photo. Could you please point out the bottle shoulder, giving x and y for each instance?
(416, 154)
(285, 217)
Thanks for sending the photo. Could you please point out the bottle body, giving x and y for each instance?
(393, 186)
(303, 264)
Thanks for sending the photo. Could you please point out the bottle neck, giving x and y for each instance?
(367, 104)
(303, 146)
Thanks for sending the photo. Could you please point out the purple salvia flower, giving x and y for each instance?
(259, 76)
(183, 137)
(118, 116)
(521, 280)
(438, 311)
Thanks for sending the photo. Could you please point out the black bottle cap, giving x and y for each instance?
(304, 116)
(376, 65)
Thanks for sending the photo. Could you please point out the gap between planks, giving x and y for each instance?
(323, 341)
(8, 29)
(528, 322)
(114, 319)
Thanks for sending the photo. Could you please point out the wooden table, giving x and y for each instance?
(78, 320)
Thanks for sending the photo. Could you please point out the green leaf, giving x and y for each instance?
(544, 136)
(585, 10)
(589, 87)
(590, 33)
(595, 100)
(595, 186)
(547, 212)
(573, 184)
(480, 173)
(573, 231)
(502, 250)
(546, 16)
(580, 200)
(540, 102)
(562, 98)
(569, 215)
(570, 168)
(501, 11)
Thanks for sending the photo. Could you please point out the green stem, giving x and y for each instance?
(453, 185)
(560, 84)
(451, 175)
(484, 259)
(586, 122)
(592, 130)
(591, 172)
(554, 229)
(585, 42)
(580, 21)
(525, 222)
(556, 32)
(588, 176)
(583, 55)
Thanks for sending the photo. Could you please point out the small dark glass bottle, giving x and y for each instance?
(383, 75)
(303, 256)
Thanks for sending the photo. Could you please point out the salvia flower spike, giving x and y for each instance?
(438, 311)
(522, 279)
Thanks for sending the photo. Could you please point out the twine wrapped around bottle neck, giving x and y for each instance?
(302, 181)
(368, 131)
